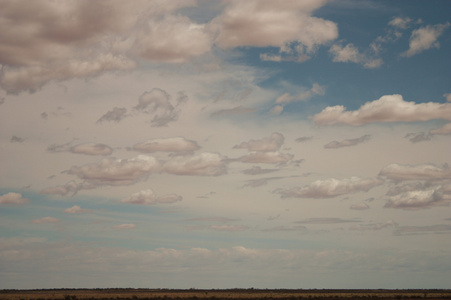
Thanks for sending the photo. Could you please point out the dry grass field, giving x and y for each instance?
(234, 294)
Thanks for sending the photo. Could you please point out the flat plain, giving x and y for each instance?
(234, 294)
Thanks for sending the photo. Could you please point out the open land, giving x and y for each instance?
(234, 294)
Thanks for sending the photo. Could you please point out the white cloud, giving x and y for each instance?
(112, 171)
(389, 108)
(125, 226)
(414, 199)
(92, 149)
(400, 22)
(267, 144)
(445, 130)
(76, 210)
(265, 23)
(203, 164)
(286, 98)
(350, 53)
(331, 187)
(415, 172)
(447, 96)
(46, 220)
(62, 190)
(147, 197)
(13, 199)
(347, 143)
(425, 38)
(175, 144)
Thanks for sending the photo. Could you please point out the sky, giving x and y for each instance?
(225, 144)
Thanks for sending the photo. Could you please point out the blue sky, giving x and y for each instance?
(209, 144)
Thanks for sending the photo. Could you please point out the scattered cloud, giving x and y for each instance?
(303, 139)
(175, 144)
(46, 220)
(330, 188)
(425, 38)
(147, 197)
(374, 226)
(400, 22)
(350, 53)
(125, 226)
(445, 130)
(418, 137)
(203, 164)
(288, 98)
(423, 229)
(230, 228)
(389, 108)
(71, 187)
(114, 115)
(267, 144)
(266, 157)
(415, 172)
(257, 170)
(359, 206)
(238, 110)
(447, 96)
(347, 143)
(13, 199)
(420, 198)
(284, 228)
(16, 139)
(76, 210)
(213, 219)
(327, 221)
(92, 149)
(112, 171)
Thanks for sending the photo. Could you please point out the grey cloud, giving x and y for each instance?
(16, 139)
(267, 144)
(423, 229)
(389, 108)
(347, 143)
(213, 219)
(360, 206)
(230, 228)
(114, 115)
(327, 221)
(445, 130)
(259, 182)
(304, 139)
(256, 170)
(147, 197)
(71, 187)
(331, 187)
(92, 149)
(416, 172)
(238, 110)
(418, 137)
(176, 144)
(46, 220)
(374, 226)
(266, 157)
(284, 228)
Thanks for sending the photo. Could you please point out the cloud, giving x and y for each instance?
(16, 139)
(147, 197)
(441, 228)
(389, 108)
(260, 182)
(347, 143)
(125, 226)
(175, 144)
(71, 187)
(46, 220)
(315, 90)
(76, 210)
(359, 206)
(327, 221)
(256, 170)
(400, 22)
(418, 196)
(114, 115)
(447, 96)
(330, 188)
(267, 144)
(287, 26)
(350, 53)
(416, 172)
(425, 38)
(230, 228)
(157, 103)
(13, 199)
(418, 137)
(445, 130)
(203, 164)
(374, 226)
(92, 149)
(112, 171)
(284, 228)
(238, 110)
(213, 219)
(275, 157)
(303, 139)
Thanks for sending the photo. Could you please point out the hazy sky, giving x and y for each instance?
(224, 144)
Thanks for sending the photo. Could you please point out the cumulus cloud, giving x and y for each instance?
(350, 53)
(389, 108)
(267, 144)
(13, 199)
(425, 38)
(114, 115)
(46, 220)
(92, 149)
(288, 26)
(347, 143)
(76, 210)
(112, 171)
(331, 187)
(415, 172)
(175, 144)
(203, 164)
(157, 103)
(147, 197)
(125, 226)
